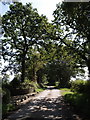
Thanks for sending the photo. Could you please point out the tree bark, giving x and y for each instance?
(39, 77)
(23, 69)
(34, 74)
(88, 65)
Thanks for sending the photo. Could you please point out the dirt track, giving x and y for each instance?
(48, 104)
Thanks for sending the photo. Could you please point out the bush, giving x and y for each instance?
(18, 88)
(26, 85)
(80, 98)
(78, 86)
(6, 108)
(87, 87)
(75, 99)
(6, 96)
(81, 102)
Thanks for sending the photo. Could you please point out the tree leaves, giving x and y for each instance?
(74, 20)
(24, 27)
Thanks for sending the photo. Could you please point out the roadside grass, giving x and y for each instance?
(39, 90)
(65, 91)
(80, 101)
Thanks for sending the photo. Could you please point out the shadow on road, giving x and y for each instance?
(47, 105)
(45, 109)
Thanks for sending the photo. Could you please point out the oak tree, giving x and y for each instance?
(23, 28)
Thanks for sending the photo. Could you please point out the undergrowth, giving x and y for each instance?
(78, 97)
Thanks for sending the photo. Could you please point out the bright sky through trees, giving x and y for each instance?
(45, 7)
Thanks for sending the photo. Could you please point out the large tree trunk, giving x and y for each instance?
(34, 78)
(88, 65)
(23, 69)
(39, 77)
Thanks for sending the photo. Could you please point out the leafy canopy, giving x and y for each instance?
(23, 28)
(74, 19)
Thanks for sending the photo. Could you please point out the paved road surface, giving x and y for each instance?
(48, 104)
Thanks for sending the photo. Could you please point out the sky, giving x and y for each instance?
(45, 7)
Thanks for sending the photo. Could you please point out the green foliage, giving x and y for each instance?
(74, 98)
(26, 85)
(87, 87)
(35, 84)
(74, 19)
(39, 90)
(6, 96)
(78, 86)
(7, 108)
(30, 47)
(79, 96)
(18, 88)
(81, 102)
(59, 71)
(23, 29)
(65, 91)
(27, 81)
(34, 64)
(38, 49)
(5, 80)
(77, 14)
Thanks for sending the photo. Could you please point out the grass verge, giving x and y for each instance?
(39, 89)
(80, 101)
(65, 91)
